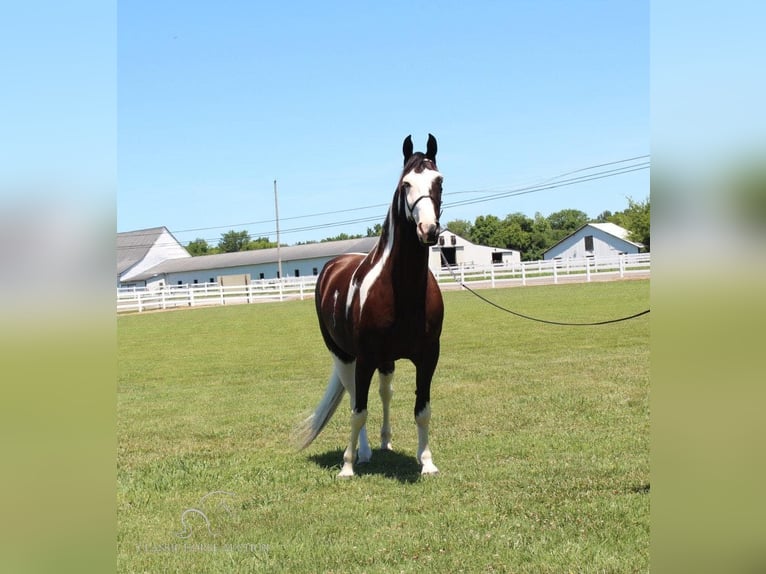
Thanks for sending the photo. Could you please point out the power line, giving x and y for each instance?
(550, 183)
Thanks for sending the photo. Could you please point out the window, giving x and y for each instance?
(196, 281)
(212, 280)
(316, 271)
(588, 243)
(297, 272)
(261, 276)
(497, 257)
(180, 282)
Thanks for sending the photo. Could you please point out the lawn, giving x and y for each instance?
(541, 434)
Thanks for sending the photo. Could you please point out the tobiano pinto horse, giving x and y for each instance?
(377, 308)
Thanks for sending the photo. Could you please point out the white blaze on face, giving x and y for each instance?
(419, 185)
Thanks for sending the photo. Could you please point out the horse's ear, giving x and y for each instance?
(431, 148)
(407, 148)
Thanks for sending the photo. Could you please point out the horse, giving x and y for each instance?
(378, 308)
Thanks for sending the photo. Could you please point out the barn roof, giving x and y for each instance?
(132, 246)
(260, 256)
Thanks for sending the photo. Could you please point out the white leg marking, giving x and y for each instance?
(346, 374)
(357, 423)
(386, 391)
(424, 452)
(364, 454)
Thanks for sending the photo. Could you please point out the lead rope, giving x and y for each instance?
(521, 315)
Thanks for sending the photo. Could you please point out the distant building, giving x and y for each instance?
(459, 251)
(297, 261)
(594, 240)
(144, 265)
(140, 250)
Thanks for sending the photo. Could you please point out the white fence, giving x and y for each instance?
(138, 299)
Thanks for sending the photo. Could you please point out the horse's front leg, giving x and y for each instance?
(386, 390)
(363, 376)
(424, 374)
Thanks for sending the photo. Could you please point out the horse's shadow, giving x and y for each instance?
(388, 463)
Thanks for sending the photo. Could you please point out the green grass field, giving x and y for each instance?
(541, 434)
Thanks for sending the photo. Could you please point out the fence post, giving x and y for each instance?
(622, 265)
(220, 291)
(462, 273)
(191, 296)
(140, 305)
(555, 273)
(523, 274)
(492, 275)
(587, 270)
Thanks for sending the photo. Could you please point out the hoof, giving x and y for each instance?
(346, 472)
(386, 446)
(429, 468)
(364, 457)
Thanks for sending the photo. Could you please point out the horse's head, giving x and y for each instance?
(420, 190)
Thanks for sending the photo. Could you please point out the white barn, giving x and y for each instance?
(297, 260)
(140, 250)
(461, 252)
(594, 240)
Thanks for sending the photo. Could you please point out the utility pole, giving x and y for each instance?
(276, 211)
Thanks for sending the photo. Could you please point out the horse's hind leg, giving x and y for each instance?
(386, 390)
(347, 374)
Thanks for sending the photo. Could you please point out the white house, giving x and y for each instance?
(140, 250)
(594, 240)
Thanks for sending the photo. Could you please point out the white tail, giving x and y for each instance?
(310, 428)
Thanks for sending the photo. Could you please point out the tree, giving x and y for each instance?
(232, 241)
(375, 230)
(260, 243)
(489, 230)
(567, 220)
(198, 247)
(460, 227)
(341, 237)
(636, 219)
(604, 217)
(542, 238)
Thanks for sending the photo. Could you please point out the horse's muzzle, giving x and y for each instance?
(428, 233)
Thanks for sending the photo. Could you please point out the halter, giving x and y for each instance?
(411, 208)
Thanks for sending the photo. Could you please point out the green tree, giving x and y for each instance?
(542, 238)
(517, 232)
(260, 243)
(375, 230)
(341, 237)
(636, 219)
(460, 227)
(567, 220)
(232, 241)
(604, 217)
(198, 247)
(489, 230)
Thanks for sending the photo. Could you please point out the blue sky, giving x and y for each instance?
(216, 100)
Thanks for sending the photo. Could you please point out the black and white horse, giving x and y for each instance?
(385, 306)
